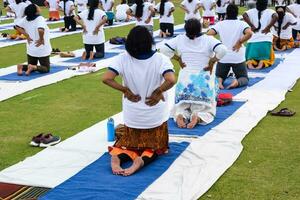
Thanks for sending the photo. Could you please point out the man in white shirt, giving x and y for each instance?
(53, 9)
(68, 8)
(294, 9)
(208, 10)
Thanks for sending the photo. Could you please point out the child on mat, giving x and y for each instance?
(81, 5)
(294, 9)
(146, 75)
(53, 9)
(107, 6)
(68, 8)
(221, 6)
(259, 50)
(166, 21)
(196, 88)
(143, 12)
(191, 9)
(92, 21)
(233, 34)
(121, 15)
(208, 10)
(34, 27)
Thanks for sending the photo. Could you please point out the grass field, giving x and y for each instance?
(268, 168)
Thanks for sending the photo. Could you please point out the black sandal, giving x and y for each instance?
(285, 112)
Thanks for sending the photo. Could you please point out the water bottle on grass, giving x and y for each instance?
(110, 130)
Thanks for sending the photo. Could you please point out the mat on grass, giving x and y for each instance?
(79, 59)
(235, 91)
(14, 76)
(96, 181)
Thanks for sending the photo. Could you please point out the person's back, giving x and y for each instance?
(18, 9)
(121, 11)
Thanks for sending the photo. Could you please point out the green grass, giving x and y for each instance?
(67, 107)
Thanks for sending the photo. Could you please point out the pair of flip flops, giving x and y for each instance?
(285, 112)
(55, 51)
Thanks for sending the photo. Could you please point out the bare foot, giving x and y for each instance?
(115, 165)
(221, 87)
(180, 121)
(250, 66)
(30, 69)
(136, 165)
(193, 122)
(91, 55)
(260, 65)
(20, 70)
(233, 84)
(83, 57)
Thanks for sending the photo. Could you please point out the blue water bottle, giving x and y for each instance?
(110, 130)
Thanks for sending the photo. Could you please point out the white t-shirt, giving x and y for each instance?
(230, 31)
(191, 8)
(69, 4)
(89, 37)
(207, 4)
(142, 77)
(18, 9)
(285, 34)
(194, 53)
(121, 11)
(295, 8)
(107, 5)
(31, 28)
(164, 18)
(146, 14)
(81, 5)
(53, 5)
(265, 20)
(223, 7)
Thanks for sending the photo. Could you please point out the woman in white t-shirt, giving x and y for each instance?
(166, 21)
(107, 6)
(191, 9)
(282, 30)
(294, 9)
(18, 9)
(92, 21)
(259, 51)
(233, 34)
(196, 88)
(147, 75)
(221, 6)
(34, 27)
(53, 9)
(143, 12)
(121, 10)
(68, 8)
(81, 5)
(208, 10)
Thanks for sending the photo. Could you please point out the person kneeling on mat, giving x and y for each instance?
(34, 27)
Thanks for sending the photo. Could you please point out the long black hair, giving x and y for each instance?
(31, 12)
(281, 15)
(162, 7)
(193, 28)
(261, 5)
(93, 5)
(232, 11)
(139, 8)
(139, 42)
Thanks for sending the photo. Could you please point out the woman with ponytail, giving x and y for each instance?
(221, 9)
(259, 51)
(294, 9)
(68, 9)
(282, 31)
(196, 89)
(191, 9)
(143, 12)
(166, 21)
(92, 21)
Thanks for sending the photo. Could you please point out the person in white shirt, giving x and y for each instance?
(53, 9)
(282, 30)
(121, 10)
(259, 51)
(81, 5)
(166, 21)
(208, 10)
(34, 27)
(107, 6)
(68, 9)
(294, 9)
(221, 6)
(233, 34)
(191, 9)
(196, 88)
(6, 3)
(92, 21)
(147, 75)
(143, 12)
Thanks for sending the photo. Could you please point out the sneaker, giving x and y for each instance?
(36, 140)
(49, 140)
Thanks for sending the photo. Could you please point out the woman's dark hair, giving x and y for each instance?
(139, 8)
(281, 15)
(190, 1)
(162, 7)
(18, 1)
(192, 28)
(123, 2)
(139, 41)
(219, 3)
(93, 5)
(31, 12)
(261, 5)
(232, 11)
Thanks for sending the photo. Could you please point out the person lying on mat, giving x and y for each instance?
(233, 34)
(147, 75)
(92, 21)
(34, 27)
(196, 88)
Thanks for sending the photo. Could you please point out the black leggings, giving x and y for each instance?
(239, 70)
(125, 158)
(70, 22)
(99, 50)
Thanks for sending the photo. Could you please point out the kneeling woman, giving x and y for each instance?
(146, 76)
(92, 21)
(196, 89)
